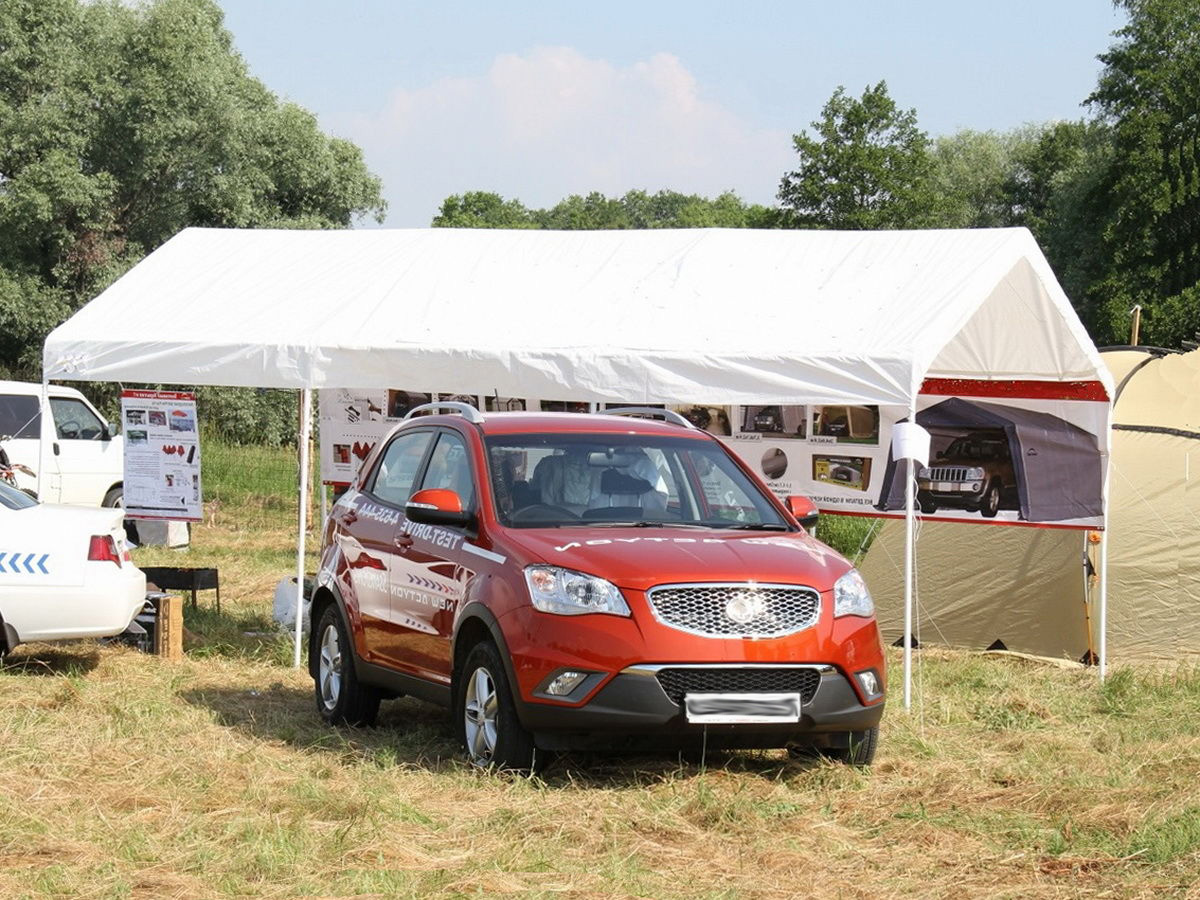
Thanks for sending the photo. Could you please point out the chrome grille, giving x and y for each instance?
(736, 610)
(676, 683)
(947, 473)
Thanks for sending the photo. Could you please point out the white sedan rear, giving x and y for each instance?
(64, 572)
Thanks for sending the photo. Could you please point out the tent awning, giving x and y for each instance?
(712, 315)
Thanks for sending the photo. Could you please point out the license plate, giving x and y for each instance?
(739, 709)
(944, 486)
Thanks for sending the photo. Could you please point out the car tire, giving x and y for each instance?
(115, 498)
(861, 751)
(341, 698)
(486, 715)
(991, 502)
(928, 507)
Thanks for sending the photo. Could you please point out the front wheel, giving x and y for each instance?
(341, 698)
(991, 502)
(487, 717)
(860, 752)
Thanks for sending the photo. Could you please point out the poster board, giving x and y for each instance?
(162, 456)
(1020, 453)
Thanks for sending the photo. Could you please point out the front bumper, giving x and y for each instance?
(633, 710)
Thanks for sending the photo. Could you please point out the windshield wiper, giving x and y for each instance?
(756, 526)
(643, 523)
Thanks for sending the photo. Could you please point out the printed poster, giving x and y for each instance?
(162, 456)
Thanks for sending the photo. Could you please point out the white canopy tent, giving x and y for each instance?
(689, 316)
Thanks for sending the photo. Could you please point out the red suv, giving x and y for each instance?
(568, 581)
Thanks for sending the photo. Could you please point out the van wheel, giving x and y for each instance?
(486, 715)
(115, 498)
(991, 502)
(341, 698)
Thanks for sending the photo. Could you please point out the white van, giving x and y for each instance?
(84, 454)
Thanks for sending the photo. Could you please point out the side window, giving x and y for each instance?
(450, 469)
(724, 497)
(19, 416)
(74, 421)
(396, 472)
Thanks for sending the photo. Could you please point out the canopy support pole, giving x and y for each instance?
(909, 540)
(1102, 662)
(45, 419)
(302, 527)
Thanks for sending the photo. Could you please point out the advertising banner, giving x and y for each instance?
(162, 456)
(1023, 453)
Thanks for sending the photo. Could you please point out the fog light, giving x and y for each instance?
(565, 683)
(870, 682)
(975, 486)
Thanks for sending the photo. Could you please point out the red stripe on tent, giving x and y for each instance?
(974, 521)
(1026, 390)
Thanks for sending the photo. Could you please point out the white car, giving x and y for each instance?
(65, 572)
(84, 454)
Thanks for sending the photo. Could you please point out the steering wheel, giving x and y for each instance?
(541, 512)
(69, 429)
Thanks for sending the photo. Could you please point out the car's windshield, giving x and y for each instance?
(11, 498)
(561, 480)
(974, 447)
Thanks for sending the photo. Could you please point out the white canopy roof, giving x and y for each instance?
(727, 316)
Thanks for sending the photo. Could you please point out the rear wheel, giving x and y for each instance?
(341, 697)
(487, 717)
(115, 498)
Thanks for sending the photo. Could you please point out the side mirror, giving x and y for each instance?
(437, 506)
(804, 510)
(109, 431)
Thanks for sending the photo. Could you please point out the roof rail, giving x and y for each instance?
(466, 410)
(652, 412)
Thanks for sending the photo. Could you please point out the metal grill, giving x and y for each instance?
(717, 680)
(736, 610)
(948, 473)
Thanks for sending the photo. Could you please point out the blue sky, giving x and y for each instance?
(538, 100)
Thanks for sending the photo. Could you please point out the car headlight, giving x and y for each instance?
(851, 597)
(568, 593)
(974, 473)
(923, 473)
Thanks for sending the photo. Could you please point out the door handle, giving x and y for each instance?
(403, 540)
(349, 517)
(56, 448)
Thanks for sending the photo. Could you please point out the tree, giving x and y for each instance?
(1149, 93)
(868, 167)
(121, 125)
(595, 212)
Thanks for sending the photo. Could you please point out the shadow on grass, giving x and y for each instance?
(43, 659)
(414, 734)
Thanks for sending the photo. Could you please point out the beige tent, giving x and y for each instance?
(1026, 587)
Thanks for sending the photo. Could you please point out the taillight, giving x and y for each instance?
(103, 549)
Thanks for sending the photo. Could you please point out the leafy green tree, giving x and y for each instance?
(482, 209)
(596, 212)
(1149, 92)
(868, 166)
(120, 126)
(973, 176)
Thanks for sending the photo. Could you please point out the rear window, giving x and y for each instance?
(19, 416)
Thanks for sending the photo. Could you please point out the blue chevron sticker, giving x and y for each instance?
(20, 563)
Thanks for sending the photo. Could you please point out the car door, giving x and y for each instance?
(429, 578)
(367, 538)
(89, 461)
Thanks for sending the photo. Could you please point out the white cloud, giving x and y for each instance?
(553, 122)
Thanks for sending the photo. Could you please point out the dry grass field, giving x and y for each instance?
(124, 776)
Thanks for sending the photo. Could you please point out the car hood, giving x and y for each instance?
(639, 558)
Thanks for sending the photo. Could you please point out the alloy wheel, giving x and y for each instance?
(329, 675)
(480, 714)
